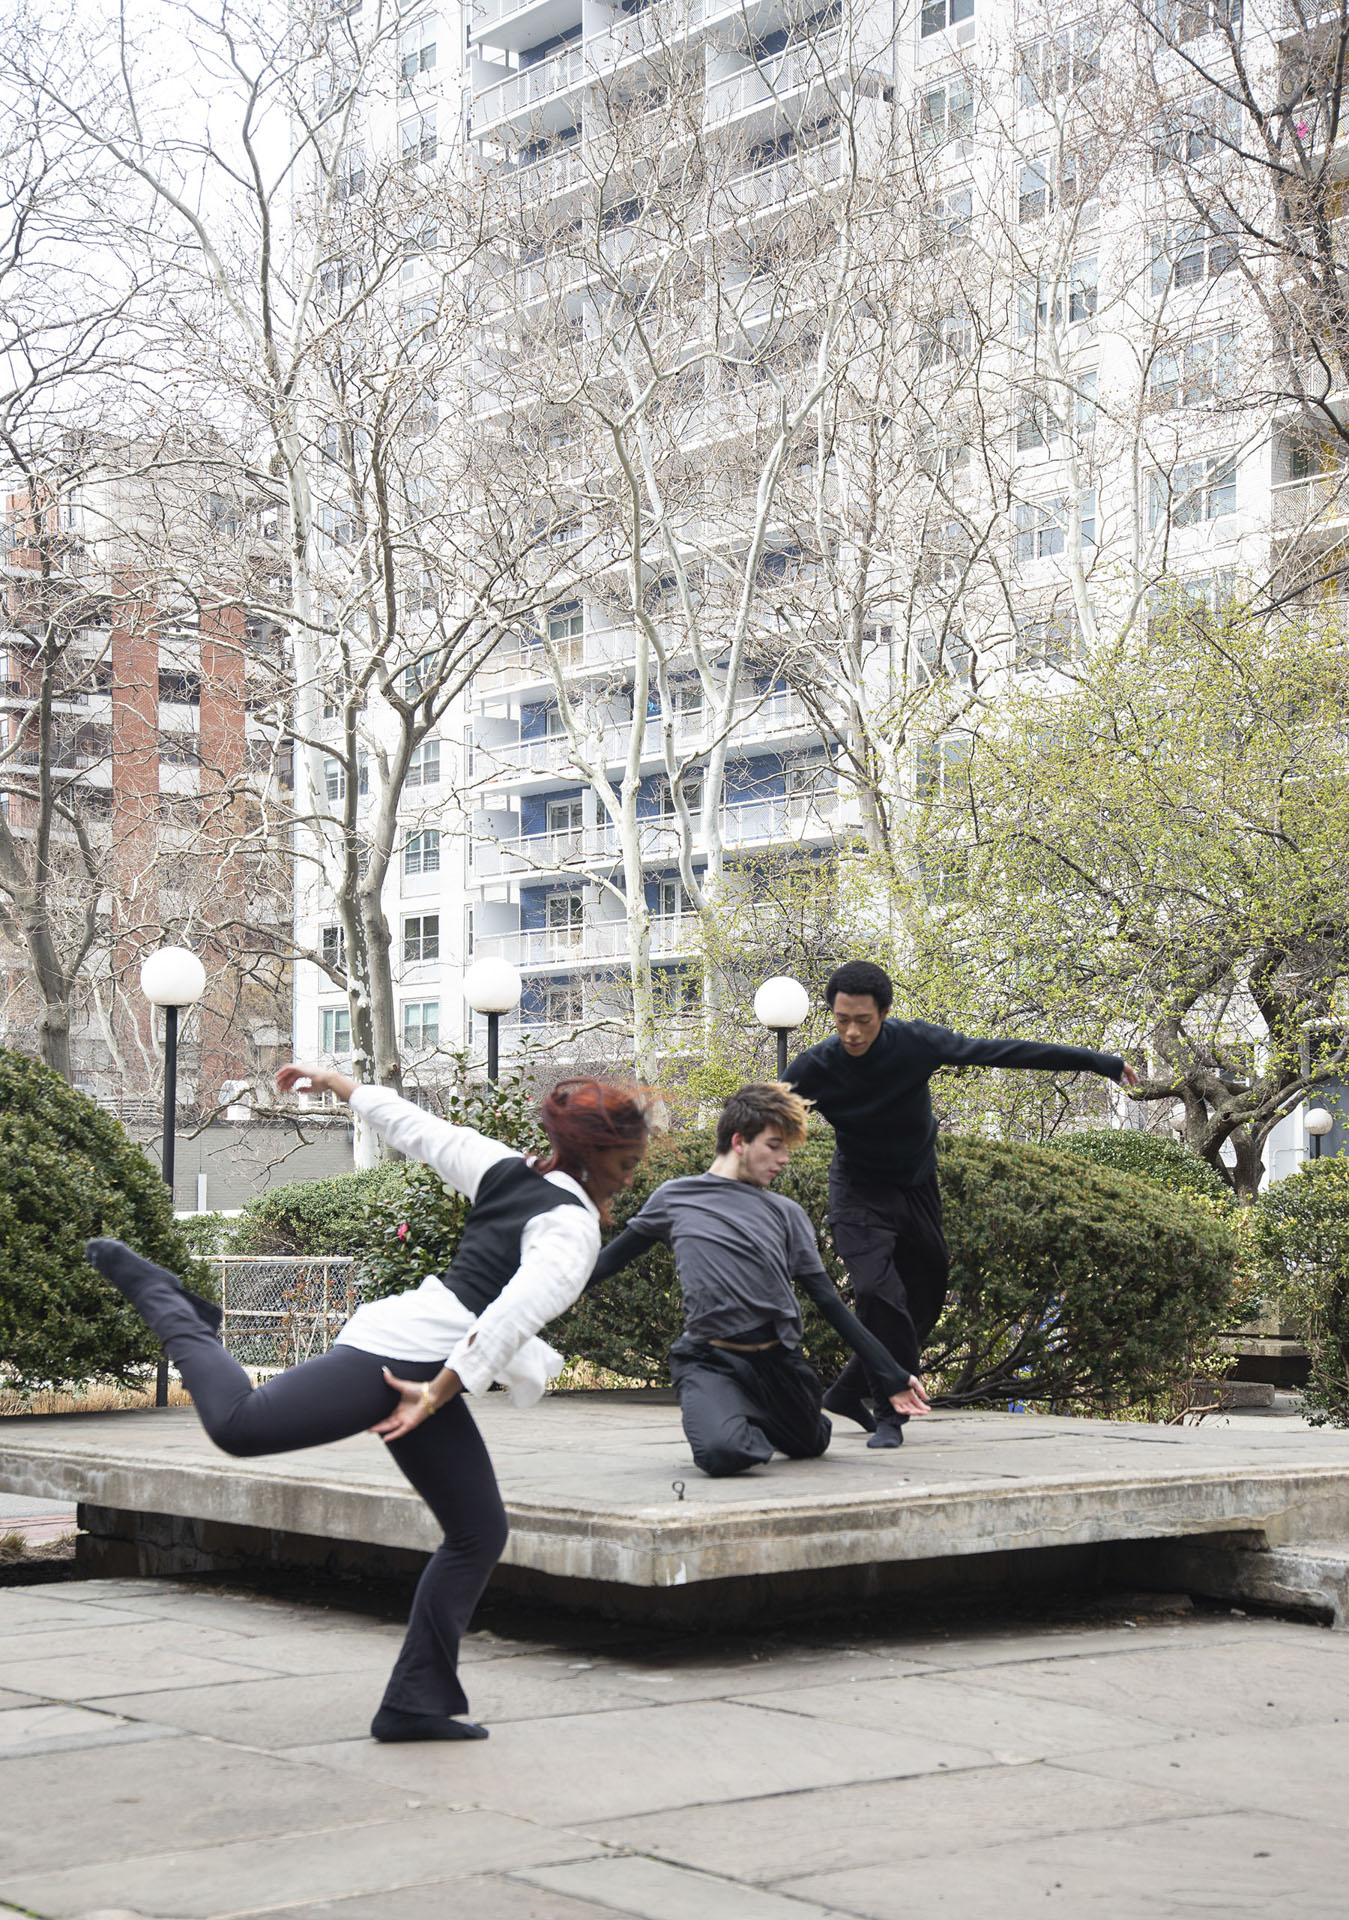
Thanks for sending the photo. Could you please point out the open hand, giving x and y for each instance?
(315, 1080)
(409, 1413)
(913, 1400)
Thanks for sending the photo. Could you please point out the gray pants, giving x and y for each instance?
(741, 1408)
(338, 1394)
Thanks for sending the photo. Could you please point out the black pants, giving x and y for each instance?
(740, 1408)
(891, 1242)
(340, 1393)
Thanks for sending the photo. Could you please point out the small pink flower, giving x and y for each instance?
(403, 1231)
(1302, 129)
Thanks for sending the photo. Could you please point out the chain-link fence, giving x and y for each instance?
(280, 1310)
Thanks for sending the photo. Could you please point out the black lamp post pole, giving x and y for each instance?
(493, 1046)
(166, 1158)
(782, 1033)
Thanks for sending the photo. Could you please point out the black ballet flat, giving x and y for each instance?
(391, 1724)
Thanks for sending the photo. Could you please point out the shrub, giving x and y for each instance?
(1147, 1156)
(67, 1173)
(1301, 1229)
(1069, 1285)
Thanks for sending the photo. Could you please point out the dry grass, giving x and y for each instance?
(102, 1397)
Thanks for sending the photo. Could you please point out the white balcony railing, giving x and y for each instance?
(1321, 501)
(593, 940)
(743, 823)
(545, 80)
(796, 173)
(776, 78)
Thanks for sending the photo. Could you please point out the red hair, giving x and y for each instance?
(582, 1117)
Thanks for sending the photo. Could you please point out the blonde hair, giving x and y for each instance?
(764, 1103)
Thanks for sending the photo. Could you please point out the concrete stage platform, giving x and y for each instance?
(1257, 1509)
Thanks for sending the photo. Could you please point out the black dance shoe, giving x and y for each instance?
(391, 1723)
(131, 1275)
(889, 1432)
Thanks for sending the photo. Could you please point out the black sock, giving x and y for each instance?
(391, 1723)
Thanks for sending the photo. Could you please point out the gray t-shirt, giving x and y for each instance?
(737, 1250)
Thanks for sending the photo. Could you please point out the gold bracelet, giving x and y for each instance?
(427, 1401)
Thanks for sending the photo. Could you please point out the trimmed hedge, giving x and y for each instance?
(68, 1172)
(1070, 1285)
(1147, 1156)
(1301, 1232)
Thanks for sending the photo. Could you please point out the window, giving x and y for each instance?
(1196, 491)
(1185, 20)
(181, 687)
(337, 526)
(336, 1023)
(946, 656)
(419, 595)
(1199, 373)
(1188, 256)
(412, 680)
(565, 816)
(421, 938)
(692, 790)
(349, 174)
(1035, 196)
(1047, 640)
(687, 696)
(941, 766)
(417, 51)
(950, 216)
(335, 779)
(421, 852)
(1042, 526)
(669, 899)
(333, 947)
(943, 452)
(945, 113)
(938, 15)
(1060, 63)
(1044, 303)
(565, 919)
(945, 339)
(1195, 130)
(417, 139)
(421, 1024)
(946, 554)
(562, 1003)
(424, 765)
(1036, 427)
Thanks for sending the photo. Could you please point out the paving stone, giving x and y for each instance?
(89, 1662)
(90, 1806)
(1004, 1726)
(888, 1824)
(279, 1871)
(1299, 1771)
(29, 1610)
(41, 1728)
(477, 1898)
(1200, 1687)
(597, 1766)
(658, 1891)
(279, 1712)
(1222, 1865)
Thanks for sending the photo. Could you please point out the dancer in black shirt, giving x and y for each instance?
(871, 1082)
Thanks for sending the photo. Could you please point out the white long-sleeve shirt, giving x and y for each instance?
(557, 1252)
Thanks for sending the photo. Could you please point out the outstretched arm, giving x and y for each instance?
(621, 1251)
(964, 1050)
(460, 1155)
(906, 1392)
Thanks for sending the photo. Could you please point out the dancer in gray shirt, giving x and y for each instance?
(745, 1390)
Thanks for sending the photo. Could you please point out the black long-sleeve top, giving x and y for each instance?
(879, 1103)
(739, 1250)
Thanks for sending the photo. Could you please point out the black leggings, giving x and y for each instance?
(341, 1393)
(892, 1244)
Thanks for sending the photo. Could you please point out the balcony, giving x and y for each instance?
(528, 664)
(1304, 506)
(783, 179)
(812, 62)
(547, 79)
(593, 940)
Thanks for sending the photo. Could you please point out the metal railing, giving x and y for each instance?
(282, 1309)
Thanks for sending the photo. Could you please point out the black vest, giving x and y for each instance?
(510, 1195)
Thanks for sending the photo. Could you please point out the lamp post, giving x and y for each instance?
(171, 978)
(493, 987)
(1318, 1122)
(781, 1004)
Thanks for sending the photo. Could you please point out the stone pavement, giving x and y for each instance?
(187, 1753)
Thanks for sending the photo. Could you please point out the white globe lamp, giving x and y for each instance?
(1318, 1121)
(780, 1005)
(493, 987)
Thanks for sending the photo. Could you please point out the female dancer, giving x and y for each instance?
(528, 1246)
